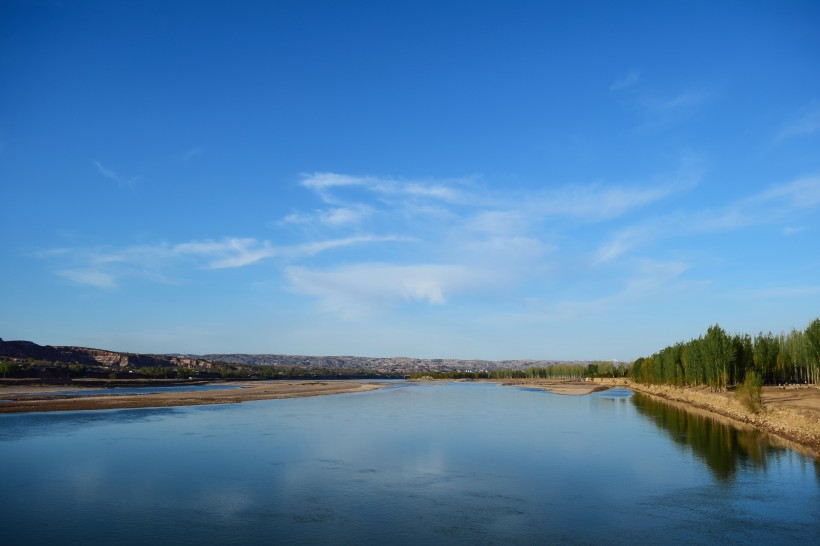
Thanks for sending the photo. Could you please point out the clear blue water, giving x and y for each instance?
(433, 464)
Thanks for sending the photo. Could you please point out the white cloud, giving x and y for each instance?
(227, 253)
(624, 241)
(433, 191)
(778, 203)
(120, 180)
(806, 122)
(500, 222)
(685, 99)
(791, 230)
(660, 110)
(650, 277)
(599, 201)
(364, 287)
(449, 200)
(510, 253)
(803, 193)
(336, 217)
(322, 180)
(343, 216)
(104, 268)
(324, 184)
(781, 292)
(91, 277)
(311, 249)
(627, 81)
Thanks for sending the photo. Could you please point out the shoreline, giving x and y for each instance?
(567, 387)
(792, 415)
(41, 399)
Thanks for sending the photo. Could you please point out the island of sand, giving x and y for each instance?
(29, 398)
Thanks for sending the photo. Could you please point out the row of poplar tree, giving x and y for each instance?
(719, 360)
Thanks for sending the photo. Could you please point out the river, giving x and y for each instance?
(412, 463)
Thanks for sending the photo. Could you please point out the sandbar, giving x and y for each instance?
(570, 387)
(37, 399)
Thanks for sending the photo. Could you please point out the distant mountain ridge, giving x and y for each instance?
(381, 364)
(24, 350)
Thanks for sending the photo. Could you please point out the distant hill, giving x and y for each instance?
(381, 364)
(24, 350)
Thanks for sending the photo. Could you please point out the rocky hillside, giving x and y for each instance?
(25, 350)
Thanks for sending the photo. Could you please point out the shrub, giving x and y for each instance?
(749, 392)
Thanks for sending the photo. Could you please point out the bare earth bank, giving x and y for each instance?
(22, 399)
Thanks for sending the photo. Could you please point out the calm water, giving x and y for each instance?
(447, 463)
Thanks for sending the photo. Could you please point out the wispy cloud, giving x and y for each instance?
(448, 190)
(603, 201)
(623, 241)
(780, 292)
(806, 122)
(222, 254)
(647, 279)
(337, 217)
(367, 286)
(105, 268)
(91, 277)
(120, 180)
(803, 193)
(652, 277)
(471, 239)
(627, 81)
(594, 201)
(776, 204)
(658, 109)
(684, 100)
(791, 230)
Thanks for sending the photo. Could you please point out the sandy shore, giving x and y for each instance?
(558, 386)
(28, 398)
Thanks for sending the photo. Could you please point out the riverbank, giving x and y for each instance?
(40, 399)
(570, 387)
(789, 413)
(792, 414)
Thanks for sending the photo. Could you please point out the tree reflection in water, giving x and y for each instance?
(723, 447)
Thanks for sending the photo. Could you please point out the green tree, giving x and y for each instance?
(720, 354)
(765, 356)
(812, 338)
(8, 367)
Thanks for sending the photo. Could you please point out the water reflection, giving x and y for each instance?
(723, 447)
(16, 426)
(418, 464)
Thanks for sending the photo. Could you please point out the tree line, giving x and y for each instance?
(558, 371)
(720, 360)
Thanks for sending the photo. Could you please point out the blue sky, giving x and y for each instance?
(493, 180)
